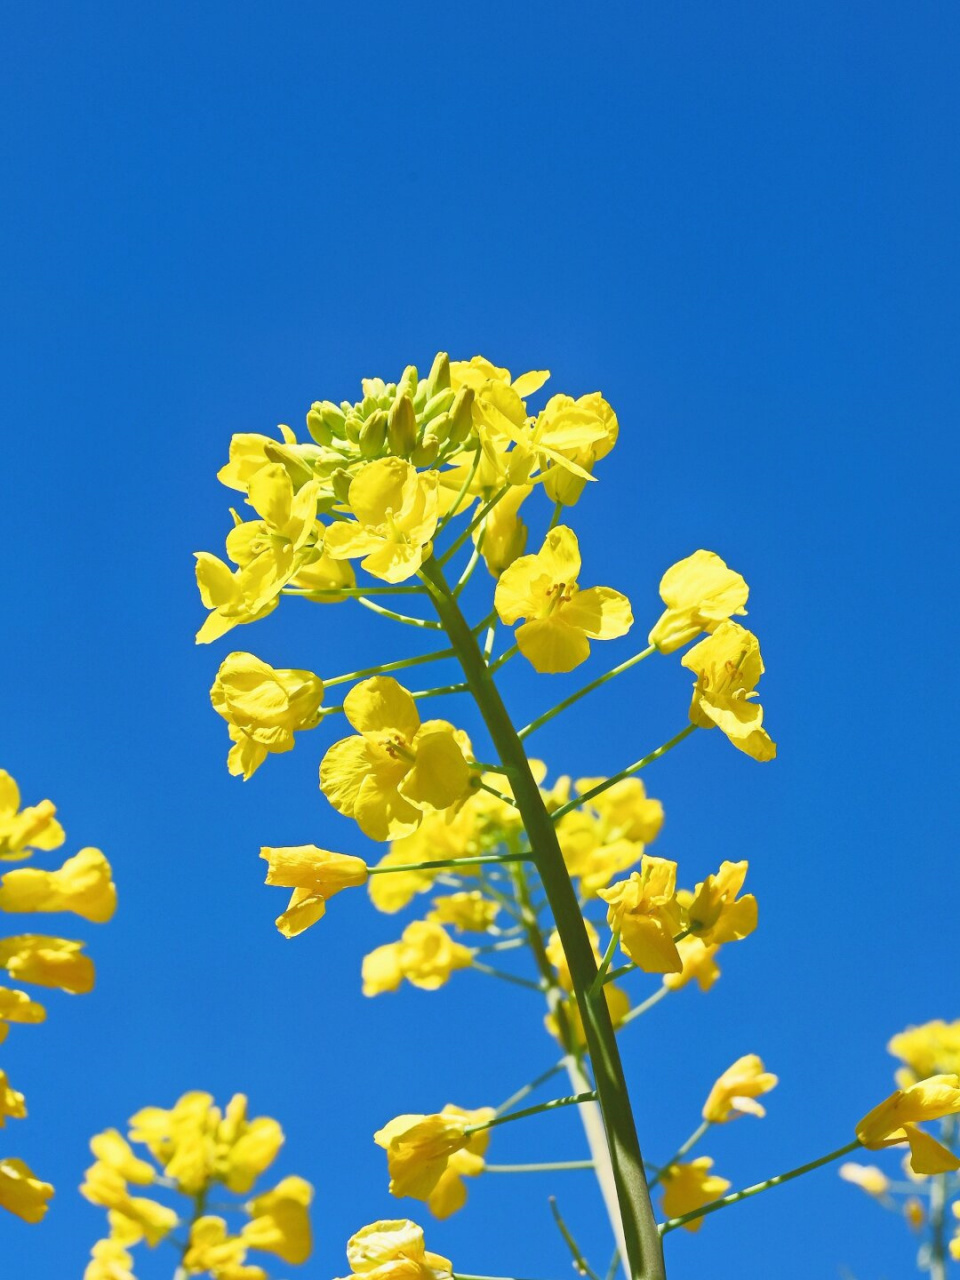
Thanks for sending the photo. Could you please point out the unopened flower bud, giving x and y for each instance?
(402, 426)
(425, 453)
(373, 433)
(437, 404)
(340, 483)
(407, 386)
(438, 379)
(461, 415)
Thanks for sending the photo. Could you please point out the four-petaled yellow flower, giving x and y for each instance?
(561, 620)
(314, 875)
(736, 1091)
(690, 1186)
(644, 910)
(393, 1249)
(582, 432)
(700, 592)
(397, 767)
(714, 913)
(264, 707)
(727, 666)
(426, 956)
(397, 510)
(895, 1120)
(428, 1156)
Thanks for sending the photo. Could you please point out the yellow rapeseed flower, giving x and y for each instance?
(644, 910)
(502, 535)
(211, 1248)
(16, 1006)
(314, 875)
(47, 962)
(264, 707)
(895, 1120)
(21, 1191)
(561, 620)
(393, 1249)
(426, 956)
(727, 666)
(83, 885)
(397, 767)
(690, 1186)
(865, 1176)
(714, 913)
(735, 1093)
(699, 965)
(428, 1156)
(700, 592)
(109, 1260)
(609, 834)
(927, 1050)
(468, 911)
(397, 509)
(21, 830)
(280, 1221)
(12, 1102)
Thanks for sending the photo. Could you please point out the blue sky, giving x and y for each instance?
(739, 223)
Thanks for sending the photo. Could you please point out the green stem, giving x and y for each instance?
(348, 593)
(580, 1264)
(423, 623)
(529, 1088)
(574, 1100)
(547, 1166)
(681, 1151)
(642, 1008)
(608, 955)
(624, 773)
(736, 1196)
(389, 666)
(462, 493)
(468, 571)
(484, 786)
(481, 515)
(507, 654)
(439, 864)
(938, 1206)
(643, 1247)
(440, 691)
(582, 693)
(505, 977)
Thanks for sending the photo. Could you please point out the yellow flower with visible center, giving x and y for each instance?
(561, 619)
(700, 592)
(21, 830)
(644, 910)
(714, 913)
(865, 1176)
(83, 885)
(393, 1249)
(895, 1120)
(426, 956)
(22, 1192)
(264, 707)
(397, 767)
(427, 1156)
(736, 1091)
(690, 1186)
(48, 962)
(314, 875)
(927, 1050)
(699, 964)
(727, 666)
(269, 553)
(583, 431)
(469, 911)
(397, 510)
(280, 1221)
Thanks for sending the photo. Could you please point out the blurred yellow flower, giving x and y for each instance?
(865, 1176)
(21, 830)
(468, 911)
(690, 1186)
(21, 1191)
(927, 1050)
(47, 962)
(280, 1221)
(735, 1093)
(561, 620)
(714, 913)
(699, 965)
(426, 956)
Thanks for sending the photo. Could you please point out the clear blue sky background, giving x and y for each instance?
(739, 222)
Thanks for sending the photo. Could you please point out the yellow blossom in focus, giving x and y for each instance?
(83, 885)
(561, 620)
(427, 1156)
(426, 956)
(644, 910)
(736, 1091)
(700, 592)
(280, 1221)
(22, 1192)
(714, 913)
(393, 1249)
(397, 509)
(470, 912)
(927, 1050)
(865, 1176)
(698, 962)
(727, 666)
(48, 962)
(314, 875)
(583, 431)
(21, 830)
(109, 1260)
(478, 373)
(12, 1102)
(263, 706)
(269, 553)
(690, 1186)
(895, 1120)
(397, 767)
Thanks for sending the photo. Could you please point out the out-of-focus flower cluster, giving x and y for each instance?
(200, 1156)
(83, 885)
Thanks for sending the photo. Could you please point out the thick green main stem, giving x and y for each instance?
(644, 1250)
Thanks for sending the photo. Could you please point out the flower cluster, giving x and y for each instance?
(83, 885)
(195, 1150)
